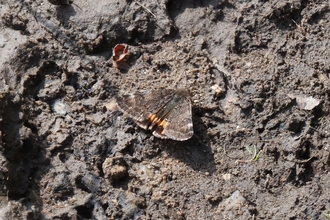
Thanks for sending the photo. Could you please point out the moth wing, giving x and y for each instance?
(178, 126)
(141, 106)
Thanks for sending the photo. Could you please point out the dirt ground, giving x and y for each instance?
(258, 75)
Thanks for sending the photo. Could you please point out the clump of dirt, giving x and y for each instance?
(258, 75)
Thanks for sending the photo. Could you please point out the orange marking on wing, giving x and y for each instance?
(153, 117)
(163, 124)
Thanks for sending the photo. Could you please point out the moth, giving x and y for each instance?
(167, 113)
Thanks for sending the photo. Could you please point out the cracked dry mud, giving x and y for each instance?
(258, 74)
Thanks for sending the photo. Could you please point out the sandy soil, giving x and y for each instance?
(258, 74)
